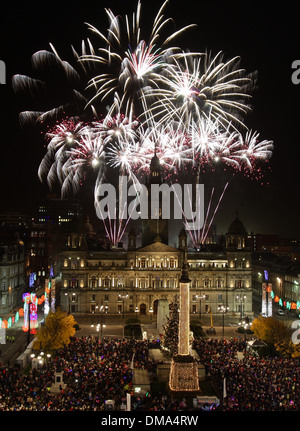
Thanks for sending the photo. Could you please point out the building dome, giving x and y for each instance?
(155, 164)
(236, 236)
(237, 227)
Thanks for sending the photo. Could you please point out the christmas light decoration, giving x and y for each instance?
(266, 306)
(30, 311)
(184, 369)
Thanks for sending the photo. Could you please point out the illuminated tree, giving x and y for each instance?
(170, 336)
(56, 333)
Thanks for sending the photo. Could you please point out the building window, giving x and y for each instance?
(93, 298)
(93, 281)
(143, 283)
(219, 282)
(106, 282)
(73, 283)
(74, 263)
(206, 282)
(171, 283)
(106, 298)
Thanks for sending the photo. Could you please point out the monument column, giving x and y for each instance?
(184, 369)
(184, 318)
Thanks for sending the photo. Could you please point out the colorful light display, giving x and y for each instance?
(187, 107)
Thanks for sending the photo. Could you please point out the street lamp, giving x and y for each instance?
(123, 296)
(100, 324)
(245, 325)
(222, 309)
(241, 300)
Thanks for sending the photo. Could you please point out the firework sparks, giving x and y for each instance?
(130, 71)
(192, 88)
(186, 108)
(61, 83)
(61, 137)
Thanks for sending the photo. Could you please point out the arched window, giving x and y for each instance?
(93, 281)
(219, 282)
(206, 282)
(143, 283)
(106, 281)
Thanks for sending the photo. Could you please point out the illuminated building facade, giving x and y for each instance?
(90, 276)
(12, 281)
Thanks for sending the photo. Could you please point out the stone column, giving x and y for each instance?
(184, 317)
(184, 369)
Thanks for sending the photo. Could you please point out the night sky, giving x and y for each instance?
(266, 39)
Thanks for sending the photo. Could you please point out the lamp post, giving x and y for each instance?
(245, 325)
(123, 296)
(222, 309)
(100, 324)
(241, 300)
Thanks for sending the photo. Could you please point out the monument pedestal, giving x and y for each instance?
(184, 374)
(58, 384)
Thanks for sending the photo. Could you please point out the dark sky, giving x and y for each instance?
(266, 39)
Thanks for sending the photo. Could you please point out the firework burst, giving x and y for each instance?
(186, 108)
(131, 63)
(197, 86)
(61, 138)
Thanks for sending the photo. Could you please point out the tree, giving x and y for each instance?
(170, 336)
(270, 330)
(274, 333)
(56, 333)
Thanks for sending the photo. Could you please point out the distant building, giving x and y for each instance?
(54, 218)
(14, 219)
(59, 212)
(12, 280)
(133, 281)
(283, 275)
(280, 246)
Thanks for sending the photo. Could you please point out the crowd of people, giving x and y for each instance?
(251, 383)
(95, 371)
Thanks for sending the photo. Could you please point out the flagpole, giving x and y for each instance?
(224, 390)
